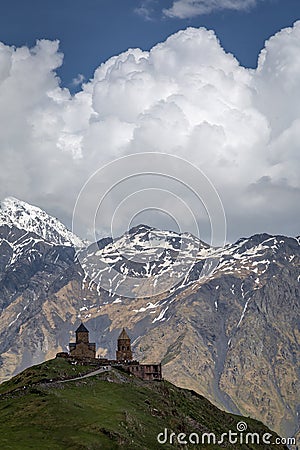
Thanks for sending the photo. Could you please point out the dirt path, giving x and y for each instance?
(91, 374)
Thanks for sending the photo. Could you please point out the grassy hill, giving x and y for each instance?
(111, 410)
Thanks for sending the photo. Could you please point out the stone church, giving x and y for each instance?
(84, 352)
(82, 348)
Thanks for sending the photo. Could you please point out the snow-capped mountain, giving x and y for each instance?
(164, 261)
(14, 212)
(34, 249)
(144, 258)
(223, 321)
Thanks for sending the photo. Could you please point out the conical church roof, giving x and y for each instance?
(123, 335)
(82, 328)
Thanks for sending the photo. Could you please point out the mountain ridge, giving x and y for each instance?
(35, 220)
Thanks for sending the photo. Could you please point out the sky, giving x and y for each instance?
(92, 32)
(215, 83)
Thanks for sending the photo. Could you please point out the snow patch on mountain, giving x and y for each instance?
(151, 256)
(14, 212)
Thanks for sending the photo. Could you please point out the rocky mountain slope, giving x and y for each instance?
(224, 322)
(14, 212)
(38, 411)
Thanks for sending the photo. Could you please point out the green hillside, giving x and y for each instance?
(111, 410)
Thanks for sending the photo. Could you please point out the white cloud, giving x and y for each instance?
(185, 97)
(77, 81)
(185, 9)
(145, 9)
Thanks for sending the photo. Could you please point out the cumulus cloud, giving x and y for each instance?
(185, 9)
(186, 97)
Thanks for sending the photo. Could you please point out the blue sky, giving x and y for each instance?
(92, 31)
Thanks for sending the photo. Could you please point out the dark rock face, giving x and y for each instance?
(232, 335)
(25, 258)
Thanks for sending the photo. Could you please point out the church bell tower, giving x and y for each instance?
(124, 352)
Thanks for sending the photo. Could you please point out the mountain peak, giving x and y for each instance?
(141, 228)
(15, 212)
